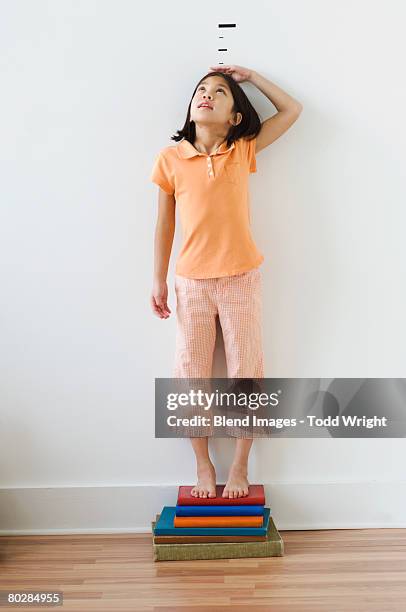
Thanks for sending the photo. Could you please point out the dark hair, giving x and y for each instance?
(250, 124)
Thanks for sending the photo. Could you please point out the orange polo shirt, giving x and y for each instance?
(212, 195)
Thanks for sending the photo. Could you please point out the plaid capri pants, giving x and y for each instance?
(237, 301)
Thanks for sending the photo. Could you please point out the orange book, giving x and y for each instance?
(218, 521)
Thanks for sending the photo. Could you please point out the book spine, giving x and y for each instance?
(249, 510)
(172, 552)
(219, 501)
(212, 531)
(218, 521)
(206, 539)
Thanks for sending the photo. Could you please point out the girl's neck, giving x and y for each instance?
(209, 151)
(208, 143)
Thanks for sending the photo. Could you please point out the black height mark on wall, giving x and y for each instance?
(225, 25)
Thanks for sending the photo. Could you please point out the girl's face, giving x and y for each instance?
(217, 100)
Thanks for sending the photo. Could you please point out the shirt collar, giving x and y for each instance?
(187, 150)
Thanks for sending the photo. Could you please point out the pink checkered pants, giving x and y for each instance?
(237, 301)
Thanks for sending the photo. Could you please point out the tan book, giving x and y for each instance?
(272, 546)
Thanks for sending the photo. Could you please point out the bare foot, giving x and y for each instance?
(237, 483)
(206, 481)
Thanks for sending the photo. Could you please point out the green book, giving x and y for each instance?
(271, 547)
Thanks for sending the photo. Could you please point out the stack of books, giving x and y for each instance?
(216, 527)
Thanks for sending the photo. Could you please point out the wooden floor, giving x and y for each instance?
(351, 570)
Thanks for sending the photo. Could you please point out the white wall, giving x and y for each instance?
(90, 92)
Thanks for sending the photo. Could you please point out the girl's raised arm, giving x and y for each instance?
(288, 108)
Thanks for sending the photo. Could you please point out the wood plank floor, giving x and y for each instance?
(330, 570)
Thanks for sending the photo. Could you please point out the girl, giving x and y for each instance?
(217, 271)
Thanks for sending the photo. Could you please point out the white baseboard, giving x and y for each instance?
(130, 509)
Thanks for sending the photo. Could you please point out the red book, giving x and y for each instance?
(256, 496)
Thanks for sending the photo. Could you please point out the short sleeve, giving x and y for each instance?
(252, 162)
(162, 174)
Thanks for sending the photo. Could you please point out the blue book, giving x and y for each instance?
(164, 526)
(219, 510)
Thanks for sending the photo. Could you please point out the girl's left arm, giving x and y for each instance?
(288, 109)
